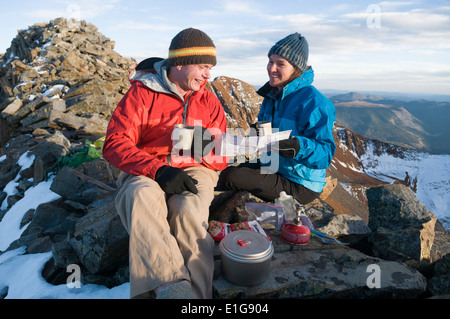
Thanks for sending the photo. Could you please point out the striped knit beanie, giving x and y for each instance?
(293, 48)
(192, 46)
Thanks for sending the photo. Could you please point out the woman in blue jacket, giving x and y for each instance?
(297, 165)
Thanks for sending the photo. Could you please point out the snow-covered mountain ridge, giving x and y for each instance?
(360, 163)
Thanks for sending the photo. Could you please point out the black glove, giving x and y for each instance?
(287, 148)
(202, 142)
(173, 180)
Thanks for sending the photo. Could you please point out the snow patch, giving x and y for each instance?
(429, 172)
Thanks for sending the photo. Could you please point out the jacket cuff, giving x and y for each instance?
(152, 171)
(300, 149)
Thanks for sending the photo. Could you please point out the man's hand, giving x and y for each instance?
(173, 180)
(202, 142)
(287, 148)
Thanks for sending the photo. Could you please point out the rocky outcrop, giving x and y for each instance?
(61, 75)
(239, 99)
(402, 228)
(315, 271)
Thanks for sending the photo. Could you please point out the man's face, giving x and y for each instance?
(191, 77)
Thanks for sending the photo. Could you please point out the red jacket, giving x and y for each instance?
(138, 140)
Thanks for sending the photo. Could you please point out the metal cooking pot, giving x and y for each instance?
(246, 257)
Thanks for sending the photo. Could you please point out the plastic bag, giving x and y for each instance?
(288, 204)
(90, 152)
(267, 215)
(218, 230)
(306, 222)
(290, 210)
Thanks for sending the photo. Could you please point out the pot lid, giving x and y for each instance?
(246, 245)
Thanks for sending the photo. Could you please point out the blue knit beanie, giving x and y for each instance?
(293, 48)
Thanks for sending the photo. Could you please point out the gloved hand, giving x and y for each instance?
(202, 142)
(174, 180)
(287, 148)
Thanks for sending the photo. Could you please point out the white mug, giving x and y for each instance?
(264, 128)
(182, 137)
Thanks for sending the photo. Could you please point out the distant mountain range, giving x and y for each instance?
(418, 124)
(394, 95)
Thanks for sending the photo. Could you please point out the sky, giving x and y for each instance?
(390, 46)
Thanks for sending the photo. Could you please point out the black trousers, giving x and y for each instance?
(248, 177)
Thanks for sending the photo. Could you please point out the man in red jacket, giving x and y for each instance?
(164, 196)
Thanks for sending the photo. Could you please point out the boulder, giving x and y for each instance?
(48, 150)
(320, 271)
(395, 206)
(402, 227)
(345, 224)
(12, 108)
(101, 170)
(439, 283)
(50, 223)
(27, 109)
(39, 117)
(48, 219)
(63, 254)
(5, 131)
(100, 240)
(73, 185)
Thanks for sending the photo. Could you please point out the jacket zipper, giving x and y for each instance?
(185, 108)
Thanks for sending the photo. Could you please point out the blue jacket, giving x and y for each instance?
(300, 107)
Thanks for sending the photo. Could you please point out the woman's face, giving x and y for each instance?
(279, 70)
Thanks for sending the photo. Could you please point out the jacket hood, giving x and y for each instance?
(157, 79)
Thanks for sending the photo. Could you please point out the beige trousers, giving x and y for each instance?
(168, 234)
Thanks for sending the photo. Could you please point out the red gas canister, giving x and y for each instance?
(295, 234)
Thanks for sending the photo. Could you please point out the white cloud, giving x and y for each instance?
(350, 33)
(241, 47)
(414, 20)
(44, 14)
(346, 53)
(249, 69)
(394, 5)
(241, 7)
(140, 26)
(81, 10)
